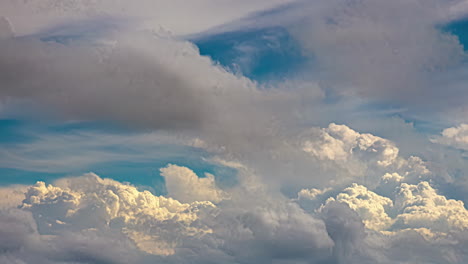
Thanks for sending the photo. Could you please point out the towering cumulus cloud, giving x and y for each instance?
(354, 154)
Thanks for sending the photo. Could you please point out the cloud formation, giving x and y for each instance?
(184, 185)
(360, 157)
(456, 137)
(155, 224)
(75, 218)
(89, 208)
(361, 198)
(382, 50)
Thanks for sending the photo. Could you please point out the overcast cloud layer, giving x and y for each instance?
(332, 164)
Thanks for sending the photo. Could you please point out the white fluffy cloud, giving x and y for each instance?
(250, 227)
(184, 185)
(412, 207)
(155, 224)
(340, 143)
(117, 223)
(456, 137)
(370, 206)
(362, 156)
(397, 199)
(420, 206)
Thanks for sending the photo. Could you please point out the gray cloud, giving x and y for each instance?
(389, 51)
(122, 84)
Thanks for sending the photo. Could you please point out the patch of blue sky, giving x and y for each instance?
(14, 130)
(9, 133)
(262, 54)
(11, 176)
(265, 54)
(147, 175)
(32, 152)
(458, 28)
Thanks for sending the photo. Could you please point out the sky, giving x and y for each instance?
(233, 132)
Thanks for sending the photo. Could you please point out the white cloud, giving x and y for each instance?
(184, 185)
(311, 194)
(340, 143)
(250, 227)
(255, 225)
(411, 207)
(156, 224)
(392, 177)
(360, 156)
(371, 207)
(456, 137)
(420, 206)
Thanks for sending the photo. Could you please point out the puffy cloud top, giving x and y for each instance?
(370, 206)
(420, 206)
(359, 157)
(456, 137)
(184, 185)
(339, 142)
(417, 207)
(155, 223)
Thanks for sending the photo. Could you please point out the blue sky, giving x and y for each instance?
(266, 54)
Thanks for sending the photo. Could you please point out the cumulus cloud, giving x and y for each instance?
(415, 224)
(456, 137)
(250, 227)
(155, 224)
(361, 155)
(370, 206)
(21, 242)
(184, 185)
(410, 207)
(339, 142)
(420, 206)
(358, 245)
(75, 218)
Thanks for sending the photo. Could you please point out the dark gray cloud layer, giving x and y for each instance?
(81, 82)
